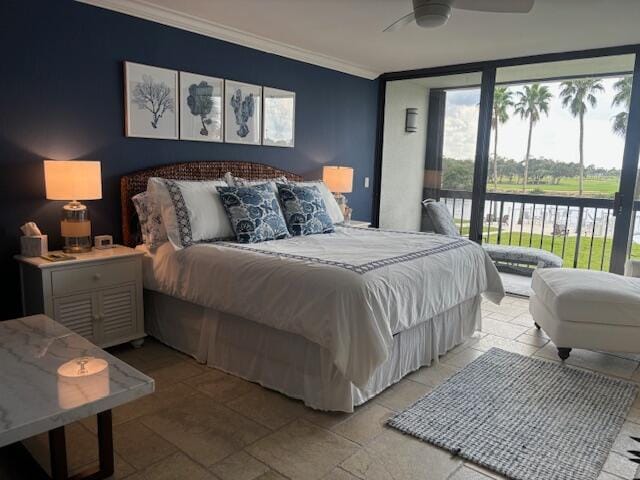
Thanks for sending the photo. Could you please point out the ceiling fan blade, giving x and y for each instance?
(497, 6)
(402, 22)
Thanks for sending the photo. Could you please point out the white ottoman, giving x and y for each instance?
(586, 309)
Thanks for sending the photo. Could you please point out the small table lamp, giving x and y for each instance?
(338, 180)
(74, 180)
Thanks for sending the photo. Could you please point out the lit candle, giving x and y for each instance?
(82, 380)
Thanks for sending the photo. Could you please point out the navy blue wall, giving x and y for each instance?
(61, 97)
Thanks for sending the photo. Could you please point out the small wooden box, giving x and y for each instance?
(34, 245)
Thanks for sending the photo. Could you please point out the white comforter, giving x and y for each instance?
(349, 291)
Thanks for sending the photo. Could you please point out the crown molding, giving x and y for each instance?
(183, 21)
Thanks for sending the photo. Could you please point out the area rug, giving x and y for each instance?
(524, 418)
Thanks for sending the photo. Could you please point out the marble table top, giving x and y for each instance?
(50, 376)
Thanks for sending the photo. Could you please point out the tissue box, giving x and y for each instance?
(34, 245)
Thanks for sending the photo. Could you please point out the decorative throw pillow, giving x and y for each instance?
(440, 217)
(192, 212)
(254, 213)
(153, 232)
(333, 209)
(304, 210)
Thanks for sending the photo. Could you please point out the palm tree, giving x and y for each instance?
(531, 104)
(622, 98)
(576, 94)
(501, 103)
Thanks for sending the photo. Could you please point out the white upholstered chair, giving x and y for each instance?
(588, 309)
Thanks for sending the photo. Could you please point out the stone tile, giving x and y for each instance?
(501, 316)
(466, 473)
(484, 471)
(491, 341)
(302, 450)
(239, 466)
(204, 429)
(140, 446)
(339, 474)
(271, 409)
(433, 375)
(502, 329)
(328, 420)
(607, 476)
(535, 341)
(402, 394)
(525, 320)
(462, 359)
(177, 372)
(221, 386)
(620, 465)
(634, 416)
(173, 467)
(365, 425)
(624, 441)
(600, 362)
(271, 475)
(152, 403)
(400, 457)
(536, 332)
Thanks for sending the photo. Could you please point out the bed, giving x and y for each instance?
(329, 319)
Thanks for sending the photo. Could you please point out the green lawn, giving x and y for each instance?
(593, 187)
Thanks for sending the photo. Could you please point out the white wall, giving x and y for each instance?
(403, 157)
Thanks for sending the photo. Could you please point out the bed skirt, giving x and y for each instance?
(291, 364)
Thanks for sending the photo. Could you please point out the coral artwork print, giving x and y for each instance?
(155, 97)
(243, 109)
(200, 102)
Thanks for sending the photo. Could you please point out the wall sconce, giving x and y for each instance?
(411, 123)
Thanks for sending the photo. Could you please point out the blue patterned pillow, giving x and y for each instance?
(254, 213)
(304, 210)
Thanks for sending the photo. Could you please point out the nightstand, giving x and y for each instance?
(98, 295)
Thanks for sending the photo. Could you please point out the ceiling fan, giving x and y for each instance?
(434, 13)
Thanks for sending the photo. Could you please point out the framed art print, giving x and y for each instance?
(151, 107)
(242, 112)
(279, 120)
(201, 109)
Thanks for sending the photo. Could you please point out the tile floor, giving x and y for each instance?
(203, 424)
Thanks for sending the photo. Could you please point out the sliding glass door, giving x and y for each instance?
(557, 155)
(524, 152)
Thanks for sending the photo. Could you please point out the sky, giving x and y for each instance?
(555, 136)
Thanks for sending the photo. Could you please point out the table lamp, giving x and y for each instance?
(74, 180)
(338, 180)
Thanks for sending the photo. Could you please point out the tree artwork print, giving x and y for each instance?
(153, 96)
(243, 110)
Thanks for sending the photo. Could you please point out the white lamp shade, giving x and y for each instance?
(338, 179)
(82, 383)
(72, 180)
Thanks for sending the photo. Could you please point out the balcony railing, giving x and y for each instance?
(580, 230)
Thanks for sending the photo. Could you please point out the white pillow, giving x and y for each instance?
(243, 182)
(333, 209)
(150, 219)
(192, 212)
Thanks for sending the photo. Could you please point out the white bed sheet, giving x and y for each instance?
(347, 292)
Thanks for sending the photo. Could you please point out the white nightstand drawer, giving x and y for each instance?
(74, 280)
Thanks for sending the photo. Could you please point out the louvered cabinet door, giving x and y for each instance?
(78, 313)
(117, 313)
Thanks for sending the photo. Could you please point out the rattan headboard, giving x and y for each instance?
(136, 182)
